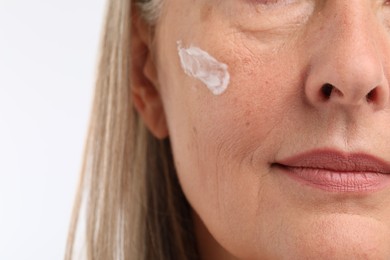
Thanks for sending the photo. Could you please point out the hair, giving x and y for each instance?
(134, 205)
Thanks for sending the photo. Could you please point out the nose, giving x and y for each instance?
(346, 66)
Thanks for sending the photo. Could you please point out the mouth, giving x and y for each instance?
(335, 171)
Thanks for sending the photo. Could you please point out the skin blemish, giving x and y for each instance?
(206, 12)
(202, 66)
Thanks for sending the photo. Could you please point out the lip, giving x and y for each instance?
(336, 171)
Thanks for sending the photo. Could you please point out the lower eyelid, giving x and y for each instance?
(284, 15)
(266, 2)
(271, 3)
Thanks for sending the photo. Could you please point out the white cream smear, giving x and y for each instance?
(202, 66)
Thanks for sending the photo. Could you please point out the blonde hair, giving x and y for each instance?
(135, 208)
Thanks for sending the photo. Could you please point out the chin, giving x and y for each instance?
(339, 236)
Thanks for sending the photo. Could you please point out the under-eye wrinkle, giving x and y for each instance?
(272, 2)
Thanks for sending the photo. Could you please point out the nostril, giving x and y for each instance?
(351, 96)
(326, 90)
(371, 96)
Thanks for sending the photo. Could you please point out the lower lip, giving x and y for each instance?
(333, 181)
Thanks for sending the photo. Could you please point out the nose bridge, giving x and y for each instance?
(355, 41)
(349, 59)
(356, 61)
(352, 23)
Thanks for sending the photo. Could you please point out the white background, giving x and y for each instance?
(48, 51)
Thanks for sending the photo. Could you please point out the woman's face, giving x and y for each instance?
(280, 165)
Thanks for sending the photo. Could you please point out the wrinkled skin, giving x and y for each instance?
(280, 54)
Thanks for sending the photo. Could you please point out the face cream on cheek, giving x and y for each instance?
(202, 66)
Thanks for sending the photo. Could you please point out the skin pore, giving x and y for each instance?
(280, 54)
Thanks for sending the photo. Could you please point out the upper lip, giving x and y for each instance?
(337, 161)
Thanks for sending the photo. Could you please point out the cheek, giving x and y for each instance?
(235, 124)
(222, 146)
